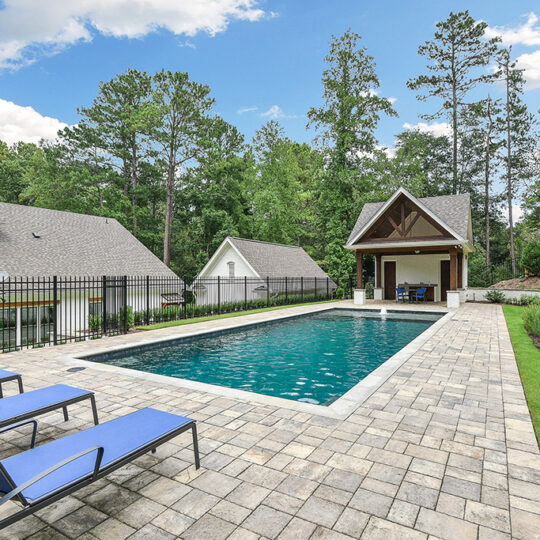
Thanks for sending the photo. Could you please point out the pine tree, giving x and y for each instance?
(454, 57)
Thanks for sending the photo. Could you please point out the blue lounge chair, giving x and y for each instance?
(420, 294)
(6, 376)
(43, 475)
(401, 294)
(23, 407)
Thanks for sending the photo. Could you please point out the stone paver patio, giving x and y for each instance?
(444, 448)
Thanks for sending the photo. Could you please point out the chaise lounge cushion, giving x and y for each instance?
(4, 374)
(119, 438)
(17, 405)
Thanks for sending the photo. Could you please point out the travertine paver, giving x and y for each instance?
(444, 448)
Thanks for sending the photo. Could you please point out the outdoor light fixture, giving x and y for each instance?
(36, 235)
(417, 251)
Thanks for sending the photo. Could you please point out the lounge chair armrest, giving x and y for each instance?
(59, 465)
(20, 424)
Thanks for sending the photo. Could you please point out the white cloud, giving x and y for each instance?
(438, 129)
(531, 64)
(275, 112)
(25, 124)
(392, 100)
(526, 34)
(30, 28)
(517, 212)
(243, 110)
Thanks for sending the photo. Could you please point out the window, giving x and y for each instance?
(231, 268)
(94, 308)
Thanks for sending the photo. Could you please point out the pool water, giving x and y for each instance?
(314, 358)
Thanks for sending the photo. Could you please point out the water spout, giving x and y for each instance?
(384, 311)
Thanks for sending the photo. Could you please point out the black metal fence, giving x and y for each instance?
(36, 312)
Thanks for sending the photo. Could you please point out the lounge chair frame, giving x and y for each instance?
(60, 404)
(14, 377)
(98, 472)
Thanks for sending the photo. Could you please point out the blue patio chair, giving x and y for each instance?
(24, 407)
(43, 475)
(6, 376)
(401, 294)
(420, 294)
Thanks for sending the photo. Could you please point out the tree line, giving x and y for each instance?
(151, 152)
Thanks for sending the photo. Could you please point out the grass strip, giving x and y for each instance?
(181, 322)
(528, 360)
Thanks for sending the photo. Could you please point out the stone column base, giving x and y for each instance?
(452, 299)
(377, 293)
(359, 297)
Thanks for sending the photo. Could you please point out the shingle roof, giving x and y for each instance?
(70, 244)
(277, 260)
(452, 210)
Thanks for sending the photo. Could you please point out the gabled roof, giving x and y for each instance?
(70, 244)
(273, 260)
(451, 211)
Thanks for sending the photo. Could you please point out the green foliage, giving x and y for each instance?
(531, 319)
(495, 296)
(528, 360)
(530, 258)
(94, 323)
(126, 316)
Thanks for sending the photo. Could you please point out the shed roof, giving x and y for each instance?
(277, 260)
(69, 244)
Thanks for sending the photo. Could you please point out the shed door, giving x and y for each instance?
(445, 279)
(390, 280)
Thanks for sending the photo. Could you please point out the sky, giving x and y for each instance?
(263, 59)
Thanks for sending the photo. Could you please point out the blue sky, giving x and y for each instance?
(265, 56)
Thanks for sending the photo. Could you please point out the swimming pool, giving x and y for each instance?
(312, 358)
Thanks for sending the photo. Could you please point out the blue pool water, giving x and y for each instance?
(314, 358)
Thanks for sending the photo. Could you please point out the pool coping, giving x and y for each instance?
(340, 409)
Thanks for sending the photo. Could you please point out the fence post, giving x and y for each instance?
(104, 304)
(219, 294)
(185, 310)
(55, 310)
(286, 291)
(350, 287)
(302, 288)
(267, 291)
(124, 301)
(327, 289)
(315, 289)
(245, 293)
(147, 318)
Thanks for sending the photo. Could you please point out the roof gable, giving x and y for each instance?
(70, 244)
(452, 212)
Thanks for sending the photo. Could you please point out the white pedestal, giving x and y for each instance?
(452, 299)
(377, 293)
(359, 297)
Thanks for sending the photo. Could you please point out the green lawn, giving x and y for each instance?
(180, 322)
(528, 360)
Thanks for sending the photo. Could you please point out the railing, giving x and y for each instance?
(37, 312)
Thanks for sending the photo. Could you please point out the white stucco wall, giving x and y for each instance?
(220, 266)
(417, 268)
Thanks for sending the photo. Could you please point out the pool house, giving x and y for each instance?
(417, 243)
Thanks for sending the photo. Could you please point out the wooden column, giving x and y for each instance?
(453, 270)
(359, 279)
(460, 270)
(378, 264)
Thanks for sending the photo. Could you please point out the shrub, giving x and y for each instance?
(94, 323)
(527, 300)
(495, 296)
(531, 318)
(530, 258)
(340, 293)
(129, 317)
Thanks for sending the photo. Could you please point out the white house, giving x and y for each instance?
(243, 270)
(37, 244)
(416, 242)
